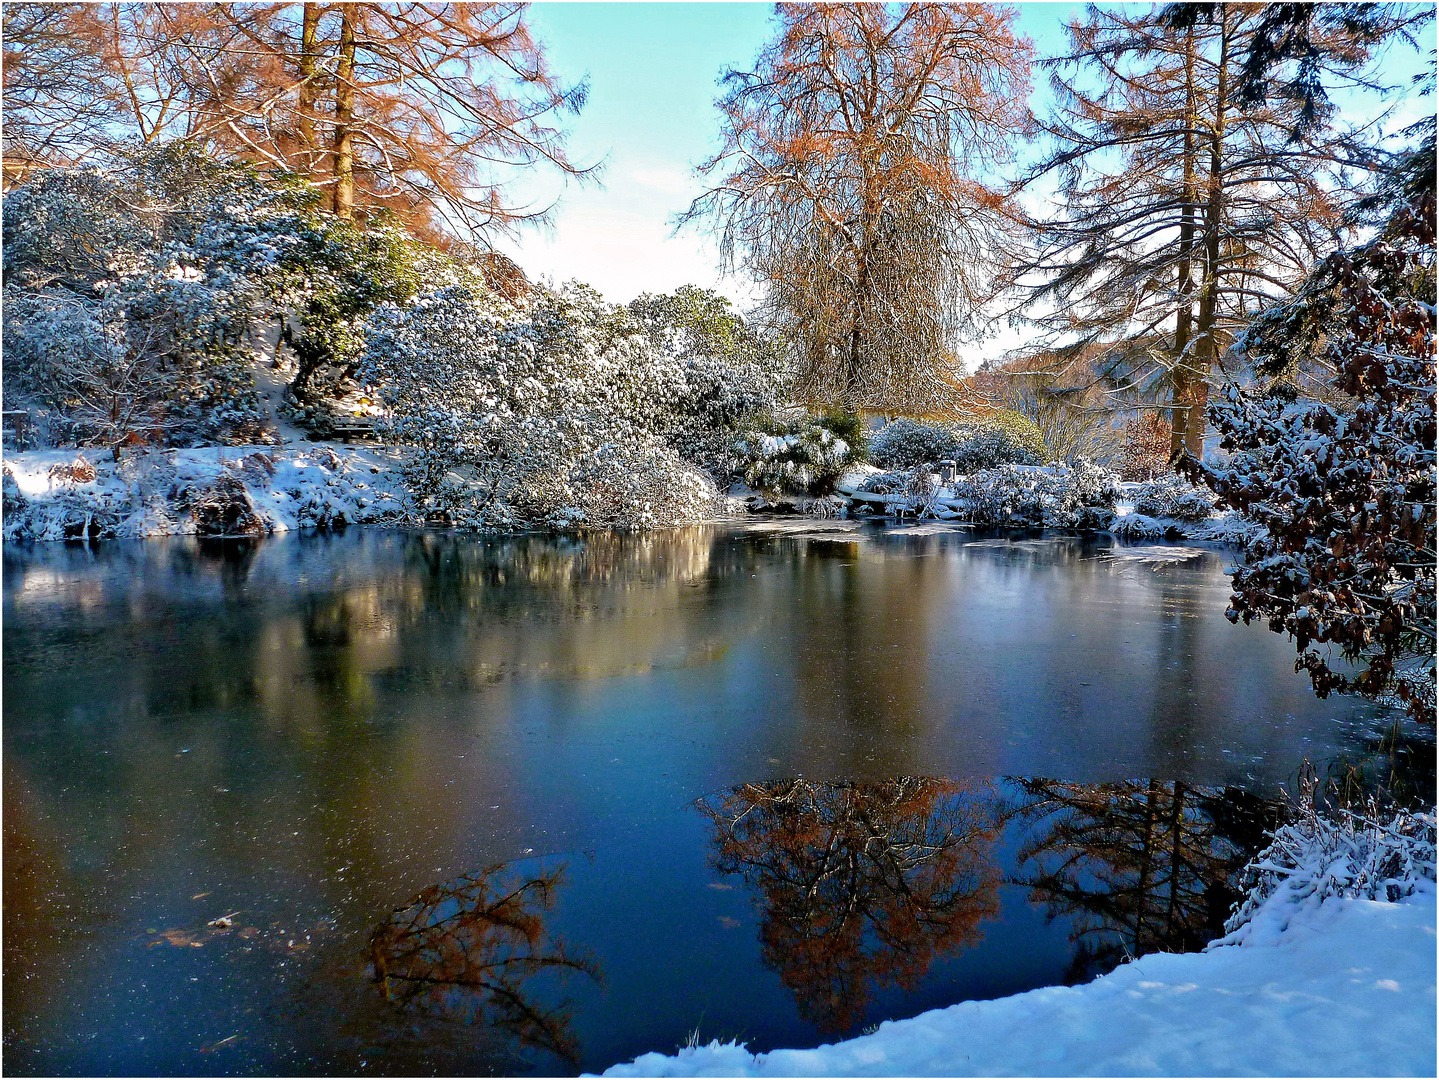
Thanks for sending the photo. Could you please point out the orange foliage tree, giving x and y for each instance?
(849, 184)
(424, 109)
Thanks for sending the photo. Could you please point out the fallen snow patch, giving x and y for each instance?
(229, 490)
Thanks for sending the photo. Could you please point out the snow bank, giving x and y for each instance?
(1050, 496)
(228, 490)
(1348, 988)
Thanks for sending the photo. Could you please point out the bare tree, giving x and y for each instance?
(55, 104)
(849, 184)
(466, 948)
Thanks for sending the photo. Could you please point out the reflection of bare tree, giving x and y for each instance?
(1140, 866)
(468, 947)
(858, 882)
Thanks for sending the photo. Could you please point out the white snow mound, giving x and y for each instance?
(1348, 989)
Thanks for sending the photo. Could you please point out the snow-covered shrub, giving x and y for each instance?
(803, 457)
(1173, 497)
(1003, 438)
(131, 290)
(725, 370)
(563, 414)
(896, 482)
(1051, 497)
(1365, 856)
(1142, 527)
(1345, 485)
(904, 443)
(919, 486)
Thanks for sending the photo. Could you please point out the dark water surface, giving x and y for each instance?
(388, 802)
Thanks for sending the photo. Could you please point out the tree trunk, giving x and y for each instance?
(344, 154)
(1181, 383)
(309, 90)
(1207, 346)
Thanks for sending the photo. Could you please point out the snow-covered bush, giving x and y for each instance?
(562, 414)
(803, 457)
(1051, 497)
(1365, 856)
(904, 443)
(1143, 527)
(1173, 497)
(898, 482)
(1003, 438)
(131, 290)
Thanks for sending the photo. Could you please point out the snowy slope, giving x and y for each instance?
(1347, 989)
(65, 494)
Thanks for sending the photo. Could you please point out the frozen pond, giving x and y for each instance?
(415, 802)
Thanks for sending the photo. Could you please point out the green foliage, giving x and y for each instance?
(794, 453)
(341, 273)
(852, 428)
(1022, 432)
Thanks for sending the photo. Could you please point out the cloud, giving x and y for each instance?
(624, 253)
(666, 181)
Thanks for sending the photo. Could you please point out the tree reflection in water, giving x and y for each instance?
(1140, 866)
(467, 948)
(859, 883)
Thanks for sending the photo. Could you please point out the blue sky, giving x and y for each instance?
(650, 118)
(652, 70)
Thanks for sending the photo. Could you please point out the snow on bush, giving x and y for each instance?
(1004, 438)
(56, 495)
(564, 414)
(1081, 495)
(131, 290)
(1344, 486)
(1173, 497)
(803, 457)
(1365, 856)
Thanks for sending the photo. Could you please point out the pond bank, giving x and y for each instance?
(58, 495)
(1348, 989)
(215, 490)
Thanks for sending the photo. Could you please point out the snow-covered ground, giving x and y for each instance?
(69, 494)
(1346, 988)
(65, 494)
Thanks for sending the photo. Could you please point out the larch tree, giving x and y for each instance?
(850, 184)
(53, 85)
(424, 109)
(1188, 196)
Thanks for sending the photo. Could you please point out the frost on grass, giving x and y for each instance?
(1316, 857)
